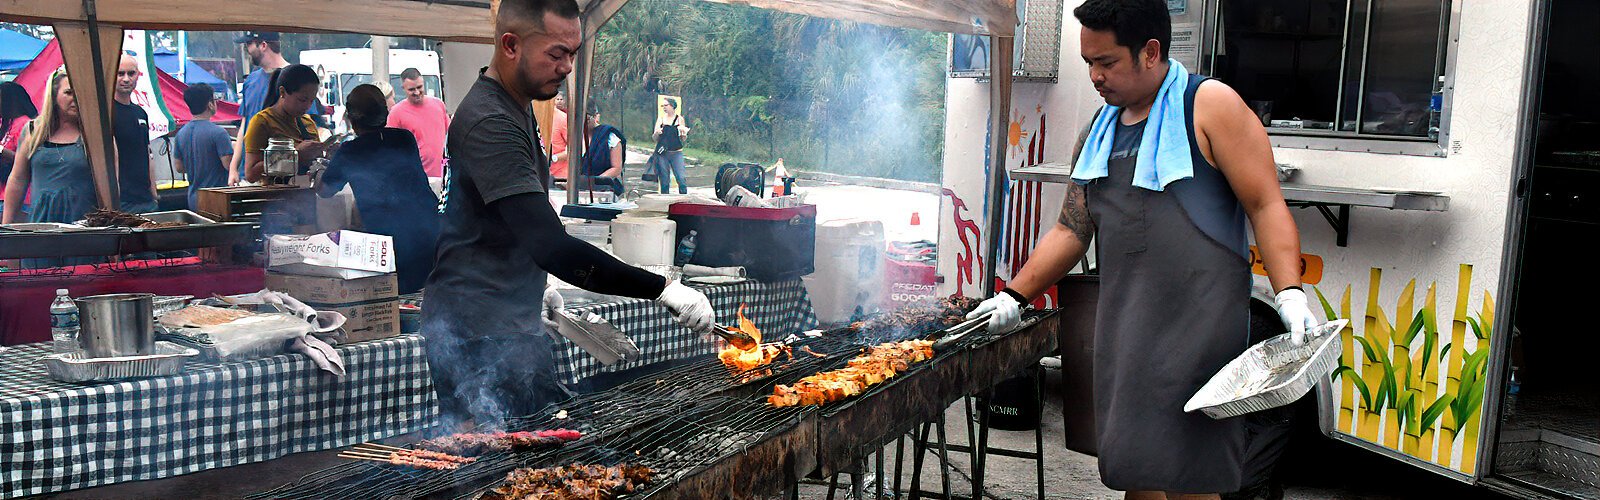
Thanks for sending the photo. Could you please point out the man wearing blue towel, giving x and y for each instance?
(1167, 175)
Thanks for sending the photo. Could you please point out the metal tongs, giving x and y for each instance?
(945, 338)
(734, 336)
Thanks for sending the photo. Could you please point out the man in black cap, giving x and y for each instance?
(266, 55)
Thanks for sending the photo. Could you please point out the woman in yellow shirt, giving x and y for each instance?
(296, 88)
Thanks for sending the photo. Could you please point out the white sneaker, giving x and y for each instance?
(1051, 362)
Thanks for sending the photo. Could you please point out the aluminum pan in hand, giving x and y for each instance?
(1271, 374)
(75, 367)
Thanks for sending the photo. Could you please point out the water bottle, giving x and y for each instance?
(685, 249)
(63, 323)
(1435, 109)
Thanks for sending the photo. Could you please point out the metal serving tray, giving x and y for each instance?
(32, 240)
(77, 367)
(1271, 374)
(200, 232)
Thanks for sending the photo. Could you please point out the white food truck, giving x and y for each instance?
(1447, 184)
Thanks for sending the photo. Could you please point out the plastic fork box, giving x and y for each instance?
(772, 244)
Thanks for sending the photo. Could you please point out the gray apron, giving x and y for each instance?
(1173, 310)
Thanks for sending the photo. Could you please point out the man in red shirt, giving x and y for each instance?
(425, 117)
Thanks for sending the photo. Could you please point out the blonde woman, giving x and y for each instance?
(52, 161)
(669, 133)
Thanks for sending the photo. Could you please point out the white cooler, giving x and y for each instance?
(849, 269)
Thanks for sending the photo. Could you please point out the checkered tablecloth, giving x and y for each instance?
(57, 436)
(778, 309)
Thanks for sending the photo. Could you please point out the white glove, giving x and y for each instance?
(690, 307)
(1007, 313)
(1296, 315)
(553, 305)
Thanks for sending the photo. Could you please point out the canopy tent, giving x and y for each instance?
(17, 49)
(33, 79)
(192, 73)
(85, 24)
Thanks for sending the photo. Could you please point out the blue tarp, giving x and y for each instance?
(17, 49)
(192, 73)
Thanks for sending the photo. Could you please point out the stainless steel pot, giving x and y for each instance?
(121, 324)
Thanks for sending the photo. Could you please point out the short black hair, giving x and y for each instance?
(410, 74)
(1133, 21)
(198, 97)
(532, 11)
(366, 107)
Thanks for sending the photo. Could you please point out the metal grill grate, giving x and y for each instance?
(677, 422)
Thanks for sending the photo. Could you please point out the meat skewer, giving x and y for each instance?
(877, 365)
(424, 454)
(403, 460)
(473, 444)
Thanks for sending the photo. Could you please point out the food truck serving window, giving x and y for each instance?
(1339, 69)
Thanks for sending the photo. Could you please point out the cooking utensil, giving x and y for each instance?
(945, 338)
(596, 336)
(1271, 374)
(734, 337)
(121, 324)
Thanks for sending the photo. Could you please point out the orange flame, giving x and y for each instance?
(747, 326)
(760, 355)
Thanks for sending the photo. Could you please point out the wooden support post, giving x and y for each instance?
(999, 127)
(577, 102)
(91, 51)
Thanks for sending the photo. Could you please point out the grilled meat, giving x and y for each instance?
(575, 482)
(920, 318)
(101, 217)
(878, 364)
(474, 444)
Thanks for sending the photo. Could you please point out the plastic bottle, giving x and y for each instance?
(1435, 109)
(63, 323)
(685, 249)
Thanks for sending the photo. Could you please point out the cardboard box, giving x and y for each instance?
(339, 254)
(324, 290)
(367, 321)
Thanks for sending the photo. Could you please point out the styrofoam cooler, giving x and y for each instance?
(644, 241)
(849, 269)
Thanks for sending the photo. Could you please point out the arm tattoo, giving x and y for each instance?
(1075, 208)
(1075, 214)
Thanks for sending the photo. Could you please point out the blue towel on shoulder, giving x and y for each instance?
(1163, 153)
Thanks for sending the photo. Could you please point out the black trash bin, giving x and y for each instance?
(1013, 405)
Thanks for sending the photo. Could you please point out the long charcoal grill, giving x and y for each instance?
(691, 409)
(592, 415)
(719, 448)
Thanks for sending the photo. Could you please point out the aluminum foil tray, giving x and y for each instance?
(76, 367)
(1271, 374)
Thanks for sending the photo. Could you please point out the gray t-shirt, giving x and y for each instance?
(484, 284)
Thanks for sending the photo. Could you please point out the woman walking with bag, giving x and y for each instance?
(669, 133)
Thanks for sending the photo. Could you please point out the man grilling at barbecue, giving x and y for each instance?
(1166, 175)
(487, 346)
